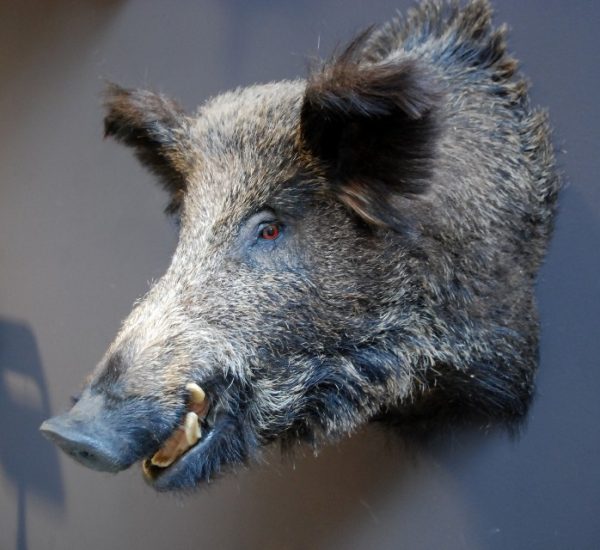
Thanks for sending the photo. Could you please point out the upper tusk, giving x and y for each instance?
(197, 394)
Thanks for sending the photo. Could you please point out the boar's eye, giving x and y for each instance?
(270, 231)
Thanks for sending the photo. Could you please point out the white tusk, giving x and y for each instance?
(197, 394)
(192, 428)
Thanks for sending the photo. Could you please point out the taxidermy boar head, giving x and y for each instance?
(359, 244)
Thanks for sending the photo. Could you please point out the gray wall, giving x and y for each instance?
(82, 233)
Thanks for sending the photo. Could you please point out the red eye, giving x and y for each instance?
(270, 232)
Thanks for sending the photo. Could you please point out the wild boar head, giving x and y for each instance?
(343, 253)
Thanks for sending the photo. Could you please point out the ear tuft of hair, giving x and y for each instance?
(155, 127)
(372, 127)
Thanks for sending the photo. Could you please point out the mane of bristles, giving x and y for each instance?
(457, 33)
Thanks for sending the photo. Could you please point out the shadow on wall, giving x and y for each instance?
(27, 462)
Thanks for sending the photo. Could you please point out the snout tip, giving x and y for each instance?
(46, 428)
(51, 430)
(55, 429)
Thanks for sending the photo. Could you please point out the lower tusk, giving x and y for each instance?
(192, 428)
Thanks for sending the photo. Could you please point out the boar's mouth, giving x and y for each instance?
(195, 430)
(211, 436)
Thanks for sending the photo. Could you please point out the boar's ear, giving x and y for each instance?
(371, 127)
(156, 127)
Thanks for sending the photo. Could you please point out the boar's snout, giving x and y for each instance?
(89, 433)
(82, 435)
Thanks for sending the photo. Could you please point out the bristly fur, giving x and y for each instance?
(463, 34)
(413, 191)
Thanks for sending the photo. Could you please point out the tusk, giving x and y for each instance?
(192, 428)
(197, 394)
(162, 460)
(185, 436)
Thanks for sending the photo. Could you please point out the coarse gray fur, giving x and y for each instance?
(414, 187)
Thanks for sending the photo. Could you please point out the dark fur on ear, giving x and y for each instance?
(155, 127)
(372, 127)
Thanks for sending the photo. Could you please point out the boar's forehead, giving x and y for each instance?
(246, 150)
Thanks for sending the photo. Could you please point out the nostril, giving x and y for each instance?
(82, 455)
(91, 459)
